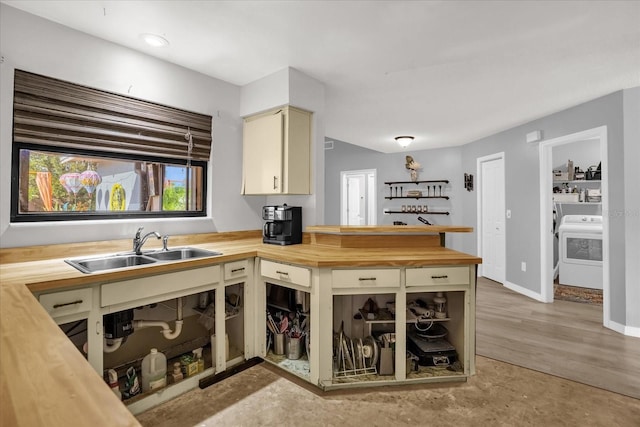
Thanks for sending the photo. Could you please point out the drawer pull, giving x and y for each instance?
(284, 273)
(440, 277)
(235, 270)
(68, 303)
(362, 279)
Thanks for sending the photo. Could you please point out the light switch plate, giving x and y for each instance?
(508, 213)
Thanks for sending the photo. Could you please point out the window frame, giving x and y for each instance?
(44, 217)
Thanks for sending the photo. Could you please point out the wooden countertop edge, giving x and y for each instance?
(387, 229)
(61, 275)
(45, 380)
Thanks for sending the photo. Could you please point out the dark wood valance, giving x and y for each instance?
(53, 112)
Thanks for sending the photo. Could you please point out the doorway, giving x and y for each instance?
(547, 234)
(358, 197)
(491, 217)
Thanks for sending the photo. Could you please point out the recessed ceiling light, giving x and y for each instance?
(154, 40)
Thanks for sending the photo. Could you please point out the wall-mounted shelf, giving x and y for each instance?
(403, 194)
(393, 189)
(417, 213)
(446, 181)
(417, 197)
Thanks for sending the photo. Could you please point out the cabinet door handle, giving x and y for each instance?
(283, 273)
(64, 304)
(366, 278)
(235, 270)
(275, 182)
(440, 277)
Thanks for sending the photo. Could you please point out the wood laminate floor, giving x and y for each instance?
(564, 339)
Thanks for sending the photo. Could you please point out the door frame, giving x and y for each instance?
(546, 209)
(479, 162)
(370, 205)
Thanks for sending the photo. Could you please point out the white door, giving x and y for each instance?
(358, 198)
(492, 213)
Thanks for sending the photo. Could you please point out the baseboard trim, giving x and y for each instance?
(631, 331)
(523, 291)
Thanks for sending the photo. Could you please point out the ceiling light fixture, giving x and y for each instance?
(404, 141)
(154, 40)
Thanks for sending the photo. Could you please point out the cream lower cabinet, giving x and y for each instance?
(160, 298)
(387, 330)
(220, 328)
(375, 326)
(353, 326)
(277, 152)
(288, 292)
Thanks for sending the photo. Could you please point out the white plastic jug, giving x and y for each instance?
(154, 370)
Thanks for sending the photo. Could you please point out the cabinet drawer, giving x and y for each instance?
(435, 276)
(67, 302)
(286, 273)
(146, 287)
(379, 278)
(233, 270)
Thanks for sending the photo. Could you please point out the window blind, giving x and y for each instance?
(53, 112)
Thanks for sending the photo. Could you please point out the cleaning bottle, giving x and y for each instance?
(197, 355)
(113, 382)
(154, 370)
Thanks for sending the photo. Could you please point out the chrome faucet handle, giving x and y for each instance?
(165, 241)
(136, 239)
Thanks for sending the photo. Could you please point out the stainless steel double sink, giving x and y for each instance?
(113, 261)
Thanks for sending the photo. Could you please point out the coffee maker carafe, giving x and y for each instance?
(283, 225)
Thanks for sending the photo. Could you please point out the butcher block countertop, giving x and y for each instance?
(45, 381)
(388, 229)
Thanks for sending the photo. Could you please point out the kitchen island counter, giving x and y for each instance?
(46, 381)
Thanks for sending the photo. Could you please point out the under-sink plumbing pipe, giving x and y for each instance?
(166, 329)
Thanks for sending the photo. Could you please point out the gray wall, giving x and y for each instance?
(523, 189)
(436, 164)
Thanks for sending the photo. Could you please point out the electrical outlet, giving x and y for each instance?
(523, 266)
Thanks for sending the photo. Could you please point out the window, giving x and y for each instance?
(81, 153)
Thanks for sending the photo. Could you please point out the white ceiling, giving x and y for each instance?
(446, 72)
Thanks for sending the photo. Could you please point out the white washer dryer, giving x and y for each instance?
(580, 248)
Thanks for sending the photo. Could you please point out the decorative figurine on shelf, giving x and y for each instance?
(413, 166)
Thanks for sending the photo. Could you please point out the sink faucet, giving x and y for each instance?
(139, 241)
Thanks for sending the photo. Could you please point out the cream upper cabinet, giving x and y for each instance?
(276, 152)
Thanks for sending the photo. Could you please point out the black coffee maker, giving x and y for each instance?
(283, 225)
